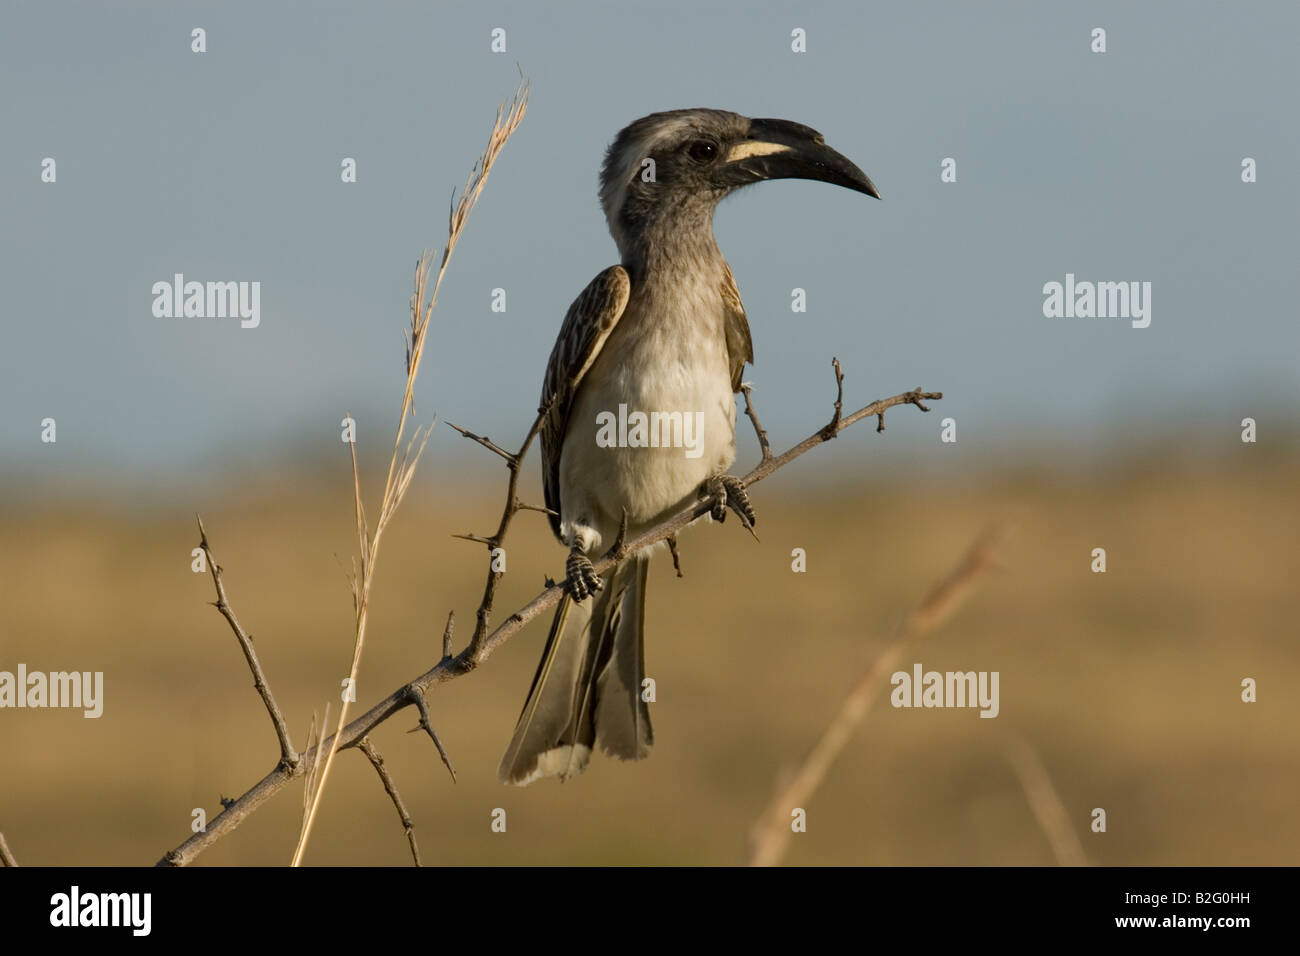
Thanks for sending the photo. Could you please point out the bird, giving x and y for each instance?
(661, 333)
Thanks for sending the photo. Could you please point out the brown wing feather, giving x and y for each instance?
(740, 349)
(587, 325)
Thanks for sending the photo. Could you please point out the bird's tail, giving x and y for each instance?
(588, 685)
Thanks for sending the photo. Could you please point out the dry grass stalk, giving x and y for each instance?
(311, 762)
(405, 458)
(771, 834)
(1046, 804)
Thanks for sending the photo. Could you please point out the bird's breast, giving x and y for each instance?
(655, 415)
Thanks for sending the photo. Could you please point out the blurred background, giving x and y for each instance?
(1078, 433)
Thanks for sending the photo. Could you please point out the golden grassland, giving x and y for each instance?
(1126, 683)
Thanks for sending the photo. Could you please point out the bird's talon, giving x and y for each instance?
(583, 581)
(728, 491)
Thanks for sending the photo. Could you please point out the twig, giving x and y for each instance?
(772, 832)
(484, 643)
(426, 724)
(6, 855)
(765, 445)
(833, 427)
(1046, 804)
(514, 463)
(408, 824)
(288, 756)
(672, 547)
(484, 441)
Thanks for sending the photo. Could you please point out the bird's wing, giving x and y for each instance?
(740, 349)
(587, 325)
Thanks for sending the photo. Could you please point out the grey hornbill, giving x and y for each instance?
(662, 333)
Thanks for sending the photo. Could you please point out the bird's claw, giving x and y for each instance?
(583, 581)
(728, 491)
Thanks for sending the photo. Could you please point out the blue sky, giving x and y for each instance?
(1122, 166)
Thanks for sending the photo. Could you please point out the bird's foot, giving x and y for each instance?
(728, 491)
(583, 581)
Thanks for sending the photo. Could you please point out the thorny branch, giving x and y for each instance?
(483, 440)
(426, 724)
(288, 756)
(408, 825)
(764, 445)
(832, 429)
(483, 642)
(514, 462)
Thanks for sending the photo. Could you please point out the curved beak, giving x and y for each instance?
(780, 149)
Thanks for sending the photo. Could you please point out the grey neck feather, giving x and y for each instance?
(669, 240)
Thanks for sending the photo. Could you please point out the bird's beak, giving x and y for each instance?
(779, 149)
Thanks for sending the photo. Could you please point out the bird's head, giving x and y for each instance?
(673, 168)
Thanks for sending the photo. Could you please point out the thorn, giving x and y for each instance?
(417, 697)
(446, 633)
(672, 546)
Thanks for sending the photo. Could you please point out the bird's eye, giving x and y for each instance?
(702, 151)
